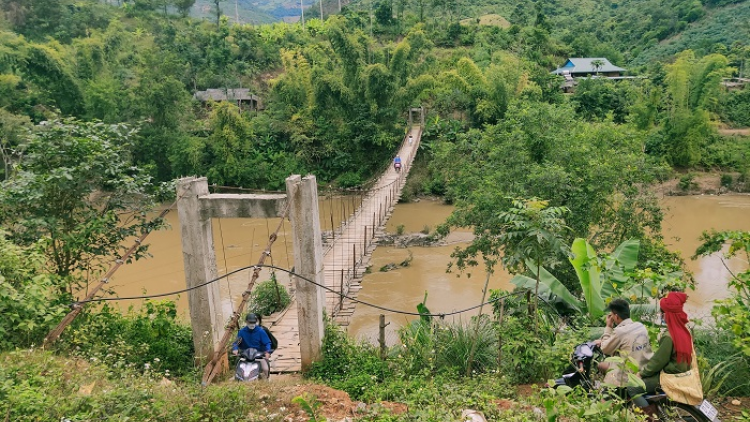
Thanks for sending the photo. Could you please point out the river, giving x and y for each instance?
(239, 242)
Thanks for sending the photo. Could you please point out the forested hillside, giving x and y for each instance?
(334, 95)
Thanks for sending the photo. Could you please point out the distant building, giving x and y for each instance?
(589, 67)
(735, 84)
(240, 96)
(580, 67)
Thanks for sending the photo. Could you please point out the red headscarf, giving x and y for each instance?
(677, 321)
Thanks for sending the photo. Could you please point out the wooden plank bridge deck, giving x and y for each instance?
(347, 257)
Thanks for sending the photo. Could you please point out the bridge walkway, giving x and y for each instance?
(347, 256)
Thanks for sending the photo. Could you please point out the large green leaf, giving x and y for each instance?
(623, 259)
(588, 276)
(550, 288)
(627, 253)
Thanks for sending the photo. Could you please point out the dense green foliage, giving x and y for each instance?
(268, 297)
(27, 296)
(75, 186)
(733, 314)
(78, 76)
(149, 339)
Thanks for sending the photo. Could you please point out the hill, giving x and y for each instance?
(252, 11)
(727, 26)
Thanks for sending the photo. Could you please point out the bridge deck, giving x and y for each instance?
(347, 257)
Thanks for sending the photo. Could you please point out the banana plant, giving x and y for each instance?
(600, 277)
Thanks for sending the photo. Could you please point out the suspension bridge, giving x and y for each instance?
(346, 257)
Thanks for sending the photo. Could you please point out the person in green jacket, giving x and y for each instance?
(673, 355)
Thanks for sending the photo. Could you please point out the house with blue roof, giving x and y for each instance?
(589, 66)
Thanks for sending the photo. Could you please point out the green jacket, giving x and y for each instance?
(664, 359)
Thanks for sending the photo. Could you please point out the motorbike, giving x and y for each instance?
(578, 374)
(248, 366)
(397, 166)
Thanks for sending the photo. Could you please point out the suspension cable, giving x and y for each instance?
(258, 267)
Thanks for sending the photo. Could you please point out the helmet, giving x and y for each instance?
(251, 318)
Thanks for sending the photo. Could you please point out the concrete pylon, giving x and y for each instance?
(302, 194)
(199, 260)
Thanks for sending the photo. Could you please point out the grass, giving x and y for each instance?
(716, 351)
(39, 385)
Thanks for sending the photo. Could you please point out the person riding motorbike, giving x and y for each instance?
(253, 336)
(673, 356)
(622, 337)
(397, 163)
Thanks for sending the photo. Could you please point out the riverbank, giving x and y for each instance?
(705, 183)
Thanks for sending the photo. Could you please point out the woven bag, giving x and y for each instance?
(685, 387)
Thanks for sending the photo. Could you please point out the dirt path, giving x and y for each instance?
(735, 132)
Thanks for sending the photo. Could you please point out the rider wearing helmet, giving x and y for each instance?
(252, 335)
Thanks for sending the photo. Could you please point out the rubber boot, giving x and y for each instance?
(652, 413)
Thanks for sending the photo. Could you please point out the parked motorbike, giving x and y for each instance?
(586, 355)
(248, 366)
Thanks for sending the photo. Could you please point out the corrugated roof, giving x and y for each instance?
(584, 65)
(236, 94)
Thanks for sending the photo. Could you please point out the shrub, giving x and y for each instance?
(38, 386)
(727, 181)
(687, 182)
(269, 296)
(150, 339)
(28, 304)
(532, 358)
(349, 180)
(354, 368)
(723, 370)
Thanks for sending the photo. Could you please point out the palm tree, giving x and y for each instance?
(597, 65)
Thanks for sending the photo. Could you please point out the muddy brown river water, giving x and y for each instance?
(239, 243)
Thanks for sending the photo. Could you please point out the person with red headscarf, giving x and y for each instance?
(674, 354)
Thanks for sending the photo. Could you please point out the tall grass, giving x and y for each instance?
(724, 371)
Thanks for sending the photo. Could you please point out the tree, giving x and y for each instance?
(75, 186)
(384, 13)
(732, 314)
(28, 301)
(12, 130)
(531, 237)
(692, 87)
(528, 234)
(217, 10)
(597, 65)
(229, 143)
(184, 6)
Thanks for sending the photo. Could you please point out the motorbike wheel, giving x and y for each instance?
(678, 412)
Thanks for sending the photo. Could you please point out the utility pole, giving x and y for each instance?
(236, 12)
(339, 6)
(302, 13)
(321, 10)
